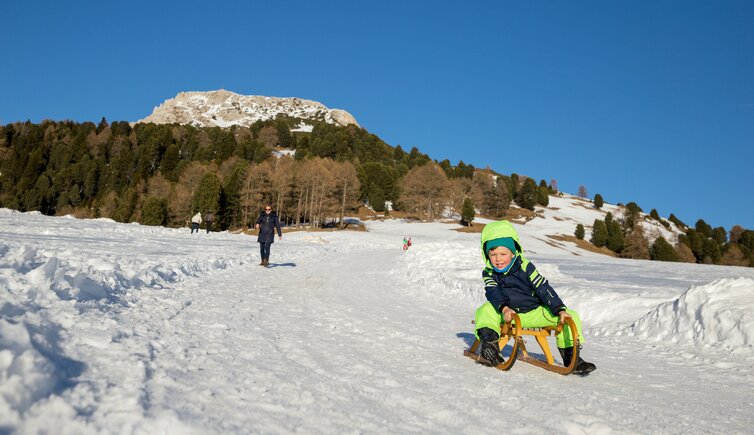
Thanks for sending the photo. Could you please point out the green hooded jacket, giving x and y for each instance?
(497, 230)
(522, 287)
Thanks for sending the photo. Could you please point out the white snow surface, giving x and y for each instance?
(123, 328)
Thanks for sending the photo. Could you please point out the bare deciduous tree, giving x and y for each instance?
(424, 190)
(582, 192)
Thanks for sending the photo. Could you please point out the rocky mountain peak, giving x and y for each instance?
(223, 108)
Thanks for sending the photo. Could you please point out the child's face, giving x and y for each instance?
(500, 257)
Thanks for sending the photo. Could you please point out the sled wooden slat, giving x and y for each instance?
(510, 330)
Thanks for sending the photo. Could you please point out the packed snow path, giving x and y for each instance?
(333, 344)
(345, 333)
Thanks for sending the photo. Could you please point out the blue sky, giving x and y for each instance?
(644, 101)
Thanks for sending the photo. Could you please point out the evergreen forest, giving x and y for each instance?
(163, 174)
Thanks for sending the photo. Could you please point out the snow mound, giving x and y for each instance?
(720, 313)
(450, 269)
(38, 271)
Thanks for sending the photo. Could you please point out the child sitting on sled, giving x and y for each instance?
(513, 284)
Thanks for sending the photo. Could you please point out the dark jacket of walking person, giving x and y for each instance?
(267, 223)
(208, 218)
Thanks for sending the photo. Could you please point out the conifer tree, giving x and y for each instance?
(579, 232)
(711, 252)
(169, 162)
(154, 211)
(615, 240)
(676, 221)
(599, 233)
(513, 186)
(747, 239)
(543, 197)
(654, 214)
(126, 205)
(207, 195)
(695, 242)
(703, 228)
(661, 250)
(598, 201)
(102, 125)
(720, 236)
(468, 212)
(376, 198)
(527, 197)
(633, 212)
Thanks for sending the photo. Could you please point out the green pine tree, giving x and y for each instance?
(661, 250)
(598, 201)
(207, 195)
(154, 211)
(543, 196)
(376, 198)
(703, 228)
(615, 239)
(579, 232)
(527, 196)
(599, 233)
(676, 221)
(467, 212)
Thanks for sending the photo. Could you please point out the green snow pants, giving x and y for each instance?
(487, 317)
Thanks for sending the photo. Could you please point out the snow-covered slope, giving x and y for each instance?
(222, 108)
(122, 328)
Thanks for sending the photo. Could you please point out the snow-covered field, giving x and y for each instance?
(122, 328)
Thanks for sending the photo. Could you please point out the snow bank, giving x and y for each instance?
(448, 269)
(720, 313)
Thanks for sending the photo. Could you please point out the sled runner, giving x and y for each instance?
(511, 331)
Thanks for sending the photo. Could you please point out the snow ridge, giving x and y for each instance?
(711, 315)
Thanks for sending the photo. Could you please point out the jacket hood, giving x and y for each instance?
(496, 230)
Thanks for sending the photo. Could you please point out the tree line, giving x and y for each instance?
(699, 244)
(162, 174)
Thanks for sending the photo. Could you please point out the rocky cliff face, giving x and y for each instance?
(224, 109)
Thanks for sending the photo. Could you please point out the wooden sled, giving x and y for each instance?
(511, 331)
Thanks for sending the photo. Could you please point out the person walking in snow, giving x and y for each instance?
(195, 222)
(513, 284)
(267, 223)
(405, 243)
(208, 218)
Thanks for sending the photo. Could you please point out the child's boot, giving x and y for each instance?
(490, 349)
(582, 367)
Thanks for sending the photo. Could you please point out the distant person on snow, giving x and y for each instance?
(513, 284)
(405, 243)
(208, 218)
(195, 222)
(266, 224)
